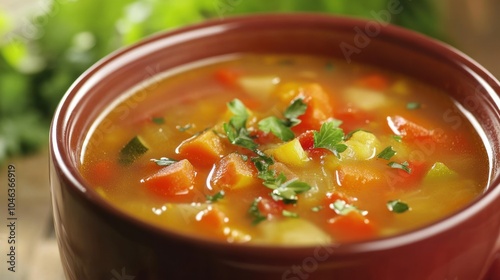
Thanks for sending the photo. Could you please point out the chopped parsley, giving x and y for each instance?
(412, 105)
(317, 208)
(184, 128)
(164, 161)
(216, 197)
(343, 208)
(255, 212)
(330, 137)
(236, 130)
(397, 206)
(289, 214)
(387, 153)
(404, 166)
(281, 128)
(397, 138)
(289, 190)
(158, 120)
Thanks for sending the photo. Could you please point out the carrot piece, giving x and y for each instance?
(232, 172)
(211, 218)
(399, 178)
(318, 110)
(356, 177)
(375, 82)
(202, 150)
(306, 140)
(227, 77)
(176, 179)
(351, 227)
(412, 131)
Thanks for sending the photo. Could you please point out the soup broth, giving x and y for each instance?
(286, 150)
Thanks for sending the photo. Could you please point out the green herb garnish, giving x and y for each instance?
(398, 138)
(255, 212)
(289, 214)
(343, 208)
(216, 197)
(164, 161)
(397, 206)
(184, 127)
(330, 137)
(289, 190)
(281, 128)
(317, 208)
(412, 105)
(158, 120)
(404, 166)
(236, 130)
(387, 153)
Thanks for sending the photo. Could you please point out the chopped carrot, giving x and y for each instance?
(176, 179)
(262, 138)
(227, 77)
(351, 227)
(232, 172)
(202, 150)
(356, 177)
(374, 81)
(411, 131)
(211, 218)
(399, 178)
(318, 109)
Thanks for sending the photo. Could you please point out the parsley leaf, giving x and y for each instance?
(295, 110)
(158, 120)
(184, 128)
(412, 105)
(329, 137)
(215, 197)
(404, 166)
(387, 153)
(317, 208)
(236, 128)
(397, 138)
(343, 208)
(164, 161)
(289, 214)
(288, 191)
(277, 127)
(255, 212)
(397, 206)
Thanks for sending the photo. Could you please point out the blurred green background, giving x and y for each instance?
(43, 51)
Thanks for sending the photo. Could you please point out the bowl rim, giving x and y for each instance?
(69, 173)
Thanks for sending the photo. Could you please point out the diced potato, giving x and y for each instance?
(290, 153)
(365, 99)
(202, 150)
(361, 146)
(292, 232)
(232, 172)
(439, 171)
(259, 87)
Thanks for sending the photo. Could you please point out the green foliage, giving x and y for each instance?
(41, 58)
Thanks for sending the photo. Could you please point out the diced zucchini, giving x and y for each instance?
(292, 231)
(134, 149)
(361, 146)
(365, 99)
(290, 153)
(439, 171)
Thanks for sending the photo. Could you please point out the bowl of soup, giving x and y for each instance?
(298, 146)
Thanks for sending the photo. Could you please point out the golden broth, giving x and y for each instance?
(410, 158)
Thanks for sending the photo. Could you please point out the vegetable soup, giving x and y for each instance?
(286, 149)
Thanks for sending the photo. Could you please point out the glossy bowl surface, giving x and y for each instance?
(99, 242)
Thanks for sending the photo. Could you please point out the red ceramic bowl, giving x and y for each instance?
(97, 241)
